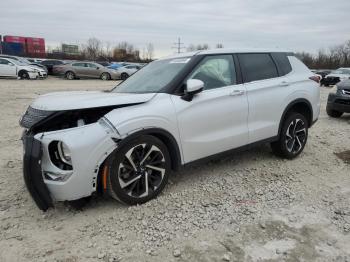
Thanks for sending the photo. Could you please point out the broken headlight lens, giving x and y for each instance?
(107, 126)
(64, 153)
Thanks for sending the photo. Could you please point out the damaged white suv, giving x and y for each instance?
(176, 110)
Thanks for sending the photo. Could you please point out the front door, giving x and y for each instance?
(216, 119)
(7, 68)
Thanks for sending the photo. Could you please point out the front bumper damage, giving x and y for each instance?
(89, 145)
(32, 172)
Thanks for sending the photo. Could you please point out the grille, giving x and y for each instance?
(33, 116)
(343, 102)
(333, 78)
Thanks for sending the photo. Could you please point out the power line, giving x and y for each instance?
(178, 45)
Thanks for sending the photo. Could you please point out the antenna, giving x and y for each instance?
(178, 45)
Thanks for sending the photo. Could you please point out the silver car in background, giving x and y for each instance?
(126, 71)
(79, 69)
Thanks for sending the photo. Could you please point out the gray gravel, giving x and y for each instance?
(249, 206)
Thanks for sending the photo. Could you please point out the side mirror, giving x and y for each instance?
(193, 86)
(97, 68)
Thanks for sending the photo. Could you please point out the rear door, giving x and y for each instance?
(267, 88)
(7, 68)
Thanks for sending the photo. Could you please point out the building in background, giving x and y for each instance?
(70, 49)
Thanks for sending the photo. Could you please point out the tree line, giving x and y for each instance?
(96, 50)
(332, 58)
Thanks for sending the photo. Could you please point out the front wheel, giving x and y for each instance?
(293, 136)
(23, 75)
(139, 170)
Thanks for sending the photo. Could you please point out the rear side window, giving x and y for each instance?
(257, 67)
(282, 62)
(79, 64)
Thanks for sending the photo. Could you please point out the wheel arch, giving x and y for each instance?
(166, 137)
(22, 71)
(300, 105)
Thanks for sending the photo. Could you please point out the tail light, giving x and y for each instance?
(315, 78)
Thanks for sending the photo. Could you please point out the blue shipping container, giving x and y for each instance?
(16, 49)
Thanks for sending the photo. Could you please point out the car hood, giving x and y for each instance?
(87, 99)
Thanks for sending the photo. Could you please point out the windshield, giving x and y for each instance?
(153, 77)
(16, 62)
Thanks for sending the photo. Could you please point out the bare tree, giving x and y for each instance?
(219, 45)
(93, 48)
(149, 51)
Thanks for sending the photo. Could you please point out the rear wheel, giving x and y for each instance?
(293, 136)
(105, 76)
(139, 170)
(70, 75)
(333, 113)
(124, 76)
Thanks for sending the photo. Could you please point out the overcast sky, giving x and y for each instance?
(296, 25)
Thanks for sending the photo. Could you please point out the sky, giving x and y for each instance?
(298, 25)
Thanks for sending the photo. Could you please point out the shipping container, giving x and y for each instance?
(14, 39)
(16, 49)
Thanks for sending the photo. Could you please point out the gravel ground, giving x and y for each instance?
(249, 206)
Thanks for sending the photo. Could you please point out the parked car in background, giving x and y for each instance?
(126, 71)
(86, 70)
(336, 76)
(14, 68)
(115, 66)
(26, 61)
(104, 63)
(49, 64)
(339, 99)
(174, 111)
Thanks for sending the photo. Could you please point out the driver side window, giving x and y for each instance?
(215, 71)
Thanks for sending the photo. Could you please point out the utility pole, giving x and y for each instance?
(178, 45)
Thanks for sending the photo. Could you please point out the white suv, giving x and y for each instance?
(174, 111)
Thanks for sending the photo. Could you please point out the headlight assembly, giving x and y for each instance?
(108, 126)
(64, 153)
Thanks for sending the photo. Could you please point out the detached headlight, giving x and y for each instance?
(108, 126)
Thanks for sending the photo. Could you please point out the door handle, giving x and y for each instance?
(284, 83)
(237, 93)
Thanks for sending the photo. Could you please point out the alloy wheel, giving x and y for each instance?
(142, 170)
(295, 136)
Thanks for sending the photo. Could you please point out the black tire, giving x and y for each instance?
(124, 76)
(23, 75)
(127, 178)
(105, 76)
(69, 75)
(333, 113)
(293, 136)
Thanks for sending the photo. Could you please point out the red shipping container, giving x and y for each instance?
(14, 39)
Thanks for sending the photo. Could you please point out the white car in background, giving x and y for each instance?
(126, 71)
(13, 68)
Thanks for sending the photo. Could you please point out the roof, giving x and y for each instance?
(227, 50)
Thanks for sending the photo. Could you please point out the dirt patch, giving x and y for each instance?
(345, 156)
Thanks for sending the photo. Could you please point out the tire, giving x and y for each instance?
(333, 113)
(23, 75)
(70, 75)
(105, 76)
(293, 136)
(124, 76)
(139, 170)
